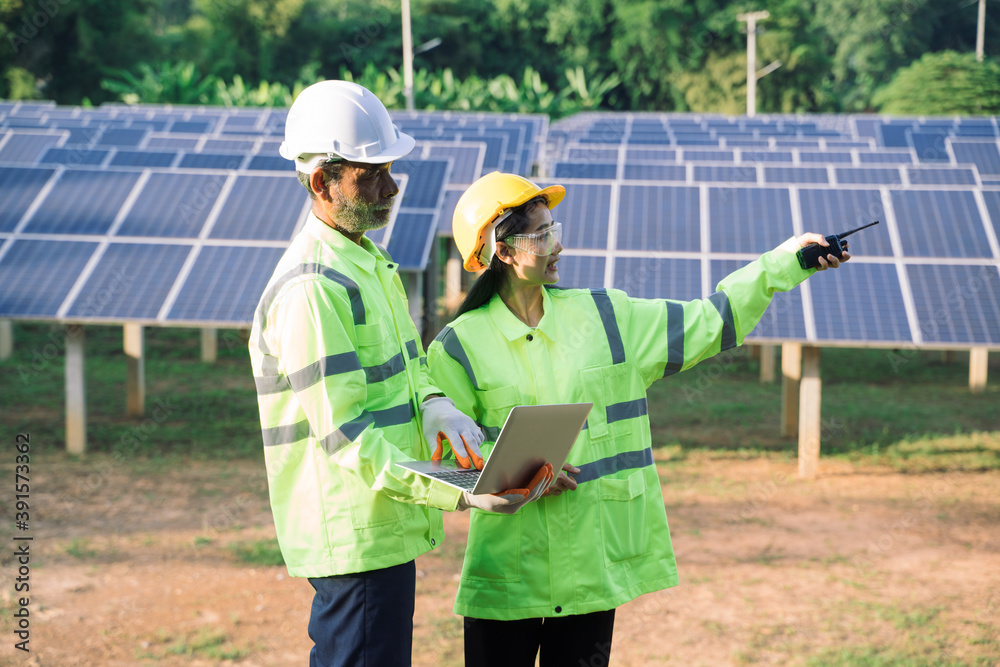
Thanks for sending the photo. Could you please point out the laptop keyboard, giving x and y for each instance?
(466, 480)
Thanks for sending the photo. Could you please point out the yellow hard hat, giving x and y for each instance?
(487, 202)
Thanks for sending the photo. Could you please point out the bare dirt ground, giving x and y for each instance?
(133, 564)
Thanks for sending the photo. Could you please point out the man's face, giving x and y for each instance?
(362, 199)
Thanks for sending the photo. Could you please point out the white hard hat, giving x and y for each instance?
(340, 119)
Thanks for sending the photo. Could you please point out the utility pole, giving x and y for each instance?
(751, 19)
(981, 31)
(407, 57)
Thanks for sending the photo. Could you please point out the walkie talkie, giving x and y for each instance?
(809, 256)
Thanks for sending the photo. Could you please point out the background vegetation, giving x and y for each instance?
(906, 409)
(557, 57)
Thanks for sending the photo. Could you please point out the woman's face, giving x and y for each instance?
(528, 268)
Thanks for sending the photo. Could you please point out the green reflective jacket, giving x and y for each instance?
(340, 374)
(607, 542)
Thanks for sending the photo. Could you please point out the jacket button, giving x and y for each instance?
(433, 543)
(389, 266)
(529, 337)
(558, 609)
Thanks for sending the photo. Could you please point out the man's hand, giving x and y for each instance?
(443, 421)
(564, 482)
(511, 500)
(829, 261)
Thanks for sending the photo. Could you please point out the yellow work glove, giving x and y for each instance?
(511, 500)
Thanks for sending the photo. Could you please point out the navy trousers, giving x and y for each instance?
(363, 619)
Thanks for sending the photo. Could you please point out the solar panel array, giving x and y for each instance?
(666, 205)
(178, 215)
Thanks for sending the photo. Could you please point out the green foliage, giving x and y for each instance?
(646, 54)
(941, 84)
(265, 553)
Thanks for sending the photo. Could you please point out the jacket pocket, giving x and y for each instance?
(606, 386)
(623, 517)
(381, 358)
(495, 405)
(369, 509)
(497, 553)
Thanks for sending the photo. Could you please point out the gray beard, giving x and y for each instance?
(357, 217)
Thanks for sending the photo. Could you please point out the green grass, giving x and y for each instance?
(206, 643)
(264, 553)
(906, 409)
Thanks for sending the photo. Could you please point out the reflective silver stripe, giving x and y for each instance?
(271, 384)
(607, 312)
(283, 435)
(353, 293)
(675, 338)
(334, 364)
(626, 410)
(346, 433)
(613, 464)
(401, 414)
(385, 371)
(411, 349)
(453, 346)
(423, 361)
(721, 302)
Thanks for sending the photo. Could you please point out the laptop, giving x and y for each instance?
(531, 436)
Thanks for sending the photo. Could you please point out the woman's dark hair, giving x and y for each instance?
(492, 279)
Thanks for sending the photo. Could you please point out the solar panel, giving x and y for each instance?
(172, 205)
(126, 158)
(211, 161)
(986, 156)
(585, 213)
(885, 157)
(690, 155)
(748, 220)
(831, 211)
(130, 282)
(746, 173)
(930, 146)
(765, 156)
(652, 217)
(862, 303)
(796, 175)
(992, 200)
(38, 275)
(412, 236)
(940, 224)
(82, 202)
(266, 208)
(581, 271)
(867, 176)
(578, 169)
(659, 278)
(224, 284)
(826, 157)
(23, 147)
(466, 160)
(957, 303)
(18, 189)
(426, 181)
(74, 156)
(655, 172)
(952, 176)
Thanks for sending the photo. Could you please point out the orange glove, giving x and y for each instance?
(511, 500)
(443, 421)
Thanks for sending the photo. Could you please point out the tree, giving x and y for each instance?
(943, 84)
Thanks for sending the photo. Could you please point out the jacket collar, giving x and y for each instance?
(364, 255)
(513, 328)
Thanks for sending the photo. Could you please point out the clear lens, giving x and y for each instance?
(540, 243)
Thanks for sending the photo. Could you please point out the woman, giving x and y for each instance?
(550, 576)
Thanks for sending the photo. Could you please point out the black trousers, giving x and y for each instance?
(566, 641)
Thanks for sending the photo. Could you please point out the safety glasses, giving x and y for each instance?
(539, 243)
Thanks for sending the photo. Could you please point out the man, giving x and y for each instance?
(343, 392)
